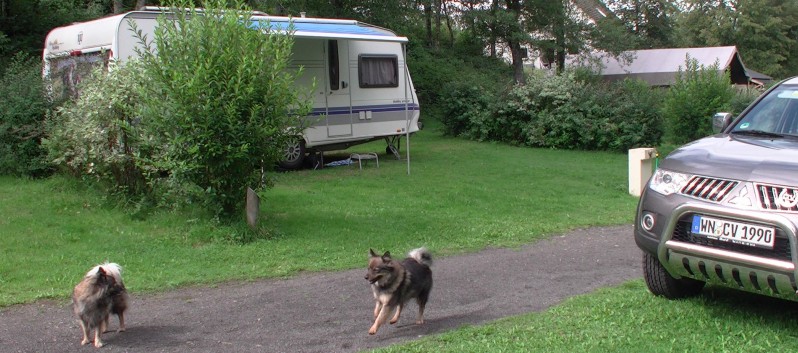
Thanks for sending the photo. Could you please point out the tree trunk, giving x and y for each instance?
(140, 4)
(559, 37)
(448, 22)
(514, 6)
(428, 20)
(494, 8)
(119, 6)
(518, 62)
(437, 37)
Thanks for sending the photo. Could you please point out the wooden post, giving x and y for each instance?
(253, 208)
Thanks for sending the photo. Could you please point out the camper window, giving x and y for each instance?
(66, 72)
(376, 71)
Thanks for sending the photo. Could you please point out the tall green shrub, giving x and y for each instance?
(698, 93)
(221, 98)
(22, 111)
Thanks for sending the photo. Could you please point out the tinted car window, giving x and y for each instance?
(775, 113)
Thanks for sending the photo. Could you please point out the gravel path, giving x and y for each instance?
(332, 312)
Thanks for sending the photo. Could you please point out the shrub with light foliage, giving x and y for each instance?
(95, 136)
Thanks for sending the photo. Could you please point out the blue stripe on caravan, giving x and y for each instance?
(338, 28)
(373, 108)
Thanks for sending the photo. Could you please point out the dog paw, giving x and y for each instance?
(419, 322)
(99, 344)
(372, 331)
(84, 342)
(393, 322)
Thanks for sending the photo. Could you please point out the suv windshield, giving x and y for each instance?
(775, 115)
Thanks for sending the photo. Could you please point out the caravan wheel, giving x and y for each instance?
(294, 154)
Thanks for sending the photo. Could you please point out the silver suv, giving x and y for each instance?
(724, 209)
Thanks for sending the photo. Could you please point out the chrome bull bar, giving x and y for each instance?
(730, 268)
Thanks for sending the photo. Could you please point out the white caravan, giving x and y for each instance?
(363, 88)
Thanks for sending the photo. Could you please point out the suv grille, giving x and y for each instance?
(780, 251)
(710, 189)
(770, 196)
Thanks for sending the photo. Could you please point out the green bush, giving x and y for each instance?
(22, 113)
(463, 107)
(222, 100)
(699, 93)
(568, 111)
(635, 116)
(546, 111)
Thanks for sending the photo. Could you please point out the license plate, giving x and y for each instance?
(734, 232)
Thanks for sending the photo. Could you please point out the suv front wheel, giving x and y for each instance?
(661, 283)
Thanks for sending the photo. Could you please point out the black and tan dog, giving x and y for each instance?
(394, 283)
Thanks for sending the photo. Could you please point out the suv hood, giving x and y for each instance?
(737, 157)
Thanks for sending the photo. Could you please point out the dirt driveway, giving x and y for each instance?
(331, 312)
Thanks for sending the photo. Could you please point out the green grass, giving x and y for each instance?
(629, 319)
(459, 196)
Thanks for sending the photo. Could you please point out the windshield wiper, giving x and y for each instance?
(761, 133)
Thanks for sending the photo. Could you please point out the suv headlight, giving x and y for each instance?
(667, 182)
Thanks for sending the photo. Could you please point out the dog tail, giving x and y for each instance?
(111, 268)
(422, 255)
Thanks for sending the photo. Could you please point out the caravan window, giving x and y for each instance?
(66, 72)
(378, 71)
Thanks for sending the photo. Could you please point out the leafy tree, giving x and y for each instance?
(765, 34)
(221, 99)
(542, 24)
(27, 22)
(22, 107)
(120, 6)
(398, 15)
(764, 31)
(649, 20)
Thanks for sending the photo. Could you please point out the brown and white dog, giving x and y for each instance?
(394, 283)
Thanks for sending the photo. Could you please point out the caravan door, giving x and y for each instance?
(339, 101)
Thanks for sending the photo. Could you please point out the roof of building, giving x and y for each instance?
(659, 67)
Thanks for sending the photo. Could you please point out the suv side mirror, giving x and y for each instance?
(720, 121)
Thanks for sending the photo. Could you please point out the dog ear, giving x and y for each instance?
(386, 256)
(372, 253)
